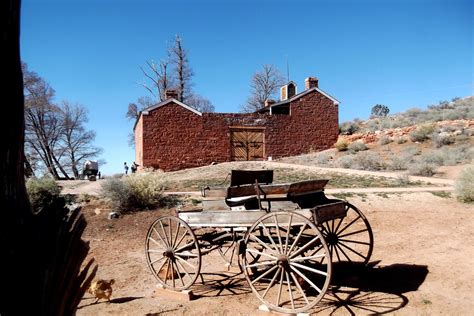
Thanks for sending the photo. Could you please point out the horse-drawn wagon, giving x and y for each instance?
(284, 237)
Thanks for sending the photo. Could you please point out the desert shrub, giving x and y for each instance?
(118, 193)
(341, 145)
(399, 162)
(461, 138)
(435, 157)
(357, 146)
(441, 139)
(401, 140)
(422, 169)
(43, 193)
(146, 189)
(464, 186)
(412, 151)
(384, 140)
(323, 158)
(403, 180)
(422, 133)
(137, 191)
(368, 161)
(346, 161)
(348, 128)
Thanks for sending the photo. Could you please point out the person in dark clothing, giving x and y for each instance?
(125, 167)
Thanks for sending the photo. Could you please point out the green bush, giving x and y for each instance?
(341, 145)
(465, 185)
(401, 140)
(441, 139)
(356, 147)
(422, 133)
(137, 191)
(43, 193)
(348, 128)
(399, 162)
(384, 140)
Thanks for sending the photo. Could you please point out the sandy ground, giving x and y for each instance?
(421, 265)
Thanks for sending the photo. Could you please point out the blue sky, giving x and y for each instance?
(398, 53)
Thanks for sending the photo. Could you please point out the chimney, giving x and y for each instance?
(311, 82)
(171, 94)
(287, 91)
(269, 102)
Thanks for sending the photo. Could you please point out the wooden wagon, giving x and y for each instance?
(284, 237)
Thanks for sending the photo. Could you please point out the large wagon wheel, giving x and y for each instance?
(350, 239)
(172, 253)
(282, 276)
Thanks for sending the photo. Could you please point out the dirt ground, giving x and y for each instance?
(421, 265)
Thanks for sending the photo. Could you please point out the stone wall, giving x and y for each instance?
(173, 137)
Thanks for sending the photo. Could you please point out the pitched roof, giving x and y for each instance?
(165, 102)
(299, 95)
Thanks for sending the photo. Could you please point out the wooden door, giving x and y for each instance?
(247, 144)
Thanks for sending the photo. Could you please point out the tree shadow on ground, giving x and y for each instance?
(372, 289)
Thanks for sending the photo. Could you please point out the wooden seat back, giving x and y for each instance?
(243, 177)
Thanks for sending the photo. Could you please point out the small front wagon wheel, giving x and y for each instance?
(292, 269)
(172, 253)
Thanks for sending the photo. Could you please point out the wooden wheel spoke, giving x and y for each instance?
(337, 253)
(288, 233)
(265, 273)
(164, 233)
(272, 282)
(289, 290)
(157, 243)
(255, 238)
(306, 279)
(185, 246)
(156, 260)
(355, 241)
(261, 253)
(298, 286)
(297, 238)
(184, 269)
(349, 248)
(277, 227)
(354, 233)
(167, 269)
(308, 268)
(269, 236)
(260, 264)
(180, 239)
(177, 233)
(300, 250)
(307, 258)
(348, 225)
(161, 238)
(179, 273)
(279, 288)
(186, 254)
(343, 252)
(170, 232)
(185, 261)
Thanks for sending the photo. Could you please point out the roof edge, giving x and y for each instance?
(165, 102)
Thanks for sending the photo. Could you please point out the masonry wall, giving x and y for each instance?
(175, 138)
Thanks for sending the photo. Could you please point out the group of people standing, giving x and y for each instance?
(133, 167)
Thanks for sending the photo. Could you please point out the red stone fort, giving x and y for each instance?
(172, 135)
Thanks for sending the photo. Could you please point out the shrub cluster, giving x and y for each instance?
(43, 194)
(137, 191)
(422, 133)
(341, 145)
(465, 185)
(357, 146)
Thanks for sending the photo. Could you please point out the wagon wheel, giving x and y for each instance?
(172, 253)
(350, 239)
(282, 277)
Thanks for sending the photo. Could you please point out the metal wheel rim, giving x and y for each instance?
(287, 260)
(176, 265)
(350, 239)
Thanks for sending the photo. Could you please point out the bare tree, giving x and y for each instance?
(159, 78)
(200, 103)
(134, 109)
(76, 141)
(42, 124)
(182, 69)
(264, 85)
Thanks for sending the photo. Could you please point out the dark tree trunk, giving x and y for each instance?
(41, 254)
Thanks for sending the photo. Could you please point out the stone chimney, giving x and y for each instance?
(311, 82)
(269, 102)
(287, 91)
(171, 94)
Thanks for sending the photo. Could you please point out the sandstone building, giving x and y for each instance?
(171, 135)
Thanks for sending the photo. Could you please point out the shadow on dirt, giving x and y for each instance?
(372, 289)
(221, 284)
(119, 300)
